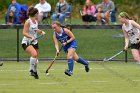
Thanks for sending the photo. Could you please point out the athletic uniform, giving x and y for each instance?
(64, 38)
(33, 32)
(133, 33)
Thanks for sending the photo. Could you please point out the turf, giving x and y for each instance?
(92, 44)
(111, 77)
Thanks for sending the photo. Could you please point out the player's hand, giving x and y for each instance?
(63, 44)
(125, 47)
(43, 32)
(57, 52)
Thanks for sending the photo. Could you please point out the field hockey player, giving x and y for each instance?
(66, 37)
(29, 41)
(131, 30)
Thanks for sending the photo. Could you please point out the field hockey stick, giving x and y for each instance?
(50, 65)
(108, 59)
(36, 39)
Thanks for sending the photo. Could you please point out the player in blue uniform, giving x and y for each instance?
(67, 39)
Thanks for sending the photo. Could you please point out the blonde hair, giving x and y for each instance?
(56, 22)
(125, 15)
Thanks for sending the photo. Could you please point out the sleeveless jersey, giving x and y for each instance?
(64, 38)
(31, 31)
(131, 31)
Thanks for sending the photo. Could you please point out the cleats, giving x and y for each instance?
(32, 73)
(87, 68)
(67, 72)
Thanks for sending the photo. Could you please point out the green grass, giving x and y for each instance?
(103, 78)
(92, 44)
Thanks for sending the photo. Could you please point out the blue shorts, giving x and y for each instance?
(73, 44)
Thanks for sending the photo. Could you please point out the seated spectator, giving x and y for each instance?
(10, 19)
(88, 14)
(60, 11)
(23, 14)
(15, 7)
(44, 8)
(104, 10)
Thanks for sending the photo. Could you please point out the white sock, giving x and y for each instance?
(35, 67)
(33, 63)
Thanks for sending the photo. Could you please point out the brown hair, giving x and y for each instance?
(32, 11)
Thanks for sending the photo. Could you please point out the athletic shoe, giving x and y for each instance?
(87, 68)
(67, 72)
(32, 73)
(36, 75)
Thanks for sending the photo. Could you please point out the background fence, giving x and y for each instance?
(94, 42)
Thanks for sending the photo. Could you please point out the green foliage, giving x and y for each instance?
(130, 6)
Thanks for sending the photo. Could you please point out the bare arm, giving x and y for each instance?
(126, 40)
(70, 34)
(25, 30)
(41, 32)
(135, 24)
(56, 43)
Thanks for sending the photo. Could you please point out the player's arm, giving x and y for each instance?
(135, 24)
(25, 30)
(41, 32)
(70, 34)
(126, 40)
(56, 43)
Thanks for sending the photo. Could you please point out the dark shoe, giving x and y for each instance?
(87, 68)
(32, 73)
(67, 72)
(36, 75)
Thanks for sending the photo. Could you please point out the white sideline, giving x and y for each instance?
(7, 84)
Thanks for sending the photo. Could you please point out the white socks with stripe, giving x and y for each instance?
(33, 64)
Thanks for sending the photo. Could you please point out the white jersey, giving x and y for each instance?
(31, 31)
(131, 31)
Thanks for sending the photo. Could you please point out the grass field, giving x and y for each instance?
(112, 77)
(92, 44)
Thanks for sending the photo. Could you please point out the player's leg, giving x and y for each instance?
(70, 54)
(82, 61)
(136, 55)
(33, 59)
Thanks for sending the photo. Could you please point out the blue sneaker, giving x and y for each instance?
(87, 68)
(67, 72)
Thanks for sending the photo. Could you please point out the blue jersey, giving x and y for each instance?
(64, 38)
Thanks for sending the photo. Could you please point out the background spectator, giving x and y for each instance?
(104, 10)
(15, 7)
(60, 11)
(23, 14)
(44, 8)
(88, 14)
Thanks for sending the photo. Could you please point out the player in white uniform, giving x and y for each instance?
(131, 31)
(30, 32)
